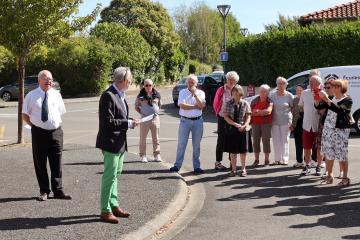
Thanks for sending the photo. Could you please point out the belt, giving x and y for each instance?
(46, 130)
(192, 118)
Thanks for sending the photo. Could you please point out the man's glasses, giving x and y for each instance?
(327, 87)
(148, 85)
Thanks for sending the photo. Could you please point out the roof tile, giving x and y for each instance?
(347, 10)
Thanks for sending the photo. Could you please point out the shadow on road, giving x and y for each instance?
(340, 207)
(21, 199)
(34, 223)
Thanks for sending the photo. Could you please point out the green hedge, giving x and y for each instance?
(261, 58)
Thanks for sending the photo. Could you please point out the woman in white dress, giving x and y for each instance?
(335, 135)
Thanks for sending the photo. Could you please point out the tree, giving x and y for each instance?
(201, 31)
(283, 23)
(129, 47)
(151, 20)
(24, 24)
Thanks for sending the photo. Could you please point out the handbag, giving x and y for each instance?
(345, 121)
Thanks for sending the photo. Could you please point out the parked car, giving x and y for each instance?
(11, 91)
(206, 83)
(218, 76)
(350, 73)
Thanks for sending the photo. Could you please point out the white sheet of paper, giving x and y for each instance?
(147, 118)
(27, 126)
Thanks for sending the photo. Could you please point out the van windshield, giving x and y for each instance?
(303, 79)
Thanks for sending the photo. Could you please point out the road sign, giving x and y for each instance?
(224, 56)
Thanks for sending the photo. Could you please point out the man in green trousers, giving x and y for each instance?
(111, 139)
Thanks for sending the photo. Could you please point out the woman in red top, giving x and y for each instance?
(261, 108)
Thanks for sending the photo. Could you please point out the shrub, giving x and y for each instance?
(261, 58)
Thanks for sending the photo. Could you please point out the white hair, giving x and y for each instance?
(148, 80)
(281, 80)
(121, 74)
(193, 77)
(43, 72)
(232, 75)
(315, 72)
(264, 87)
(317, 79)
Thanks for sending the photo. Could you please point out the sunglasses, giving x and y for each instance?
(148, 85)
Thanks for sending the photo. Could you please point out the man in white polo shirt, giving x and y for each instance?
(310, 123)
(191, 102)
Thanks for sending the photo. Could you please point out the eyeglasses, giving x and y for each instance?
(47, 79)
(327, 87)
(148, 85)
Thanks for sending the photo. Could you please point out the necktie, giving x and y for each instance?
(45, 109)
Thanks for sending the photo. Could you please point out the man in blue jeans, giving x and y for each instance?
(191, 102)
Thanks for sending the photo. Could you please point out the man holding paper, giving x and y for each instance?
(148, 104)
(111, 139)
(191, 102)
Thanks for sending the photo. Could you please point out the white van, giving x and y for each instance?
(350, 73)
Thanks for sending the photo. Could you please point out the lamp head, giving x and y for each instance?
(224, 10)
(244, 31)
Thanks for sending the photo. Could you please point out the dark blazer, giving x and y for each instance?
(342, 108)
(113, 122)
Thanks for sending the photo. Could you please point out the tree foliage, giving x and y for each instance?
(283, 23)
(152, 21)
(24, 24)
(129, 48)
(201, 31)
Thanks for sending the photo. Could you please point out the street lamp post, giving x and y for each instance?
(244, 31)
(224, 10)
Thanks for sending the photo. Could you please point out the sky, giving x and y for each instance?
(252, 14)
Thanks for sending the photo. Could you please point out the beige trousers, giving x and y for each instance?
(154, 127)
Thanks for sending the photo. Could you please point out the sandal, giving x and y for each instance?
(345, 182)
(243, 174)
(275, 163)
(328, 180)
(256, 163)
(267, 163)
(232, 174)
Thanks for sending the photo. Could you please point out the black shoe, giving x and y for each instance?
(174, 169)
(62, 196)
(198, 171)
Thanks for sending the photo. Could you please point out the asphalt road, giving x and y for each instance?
(271, 203)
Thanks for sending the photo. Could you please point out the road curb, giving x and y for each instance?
(182, 210)
(163, 221)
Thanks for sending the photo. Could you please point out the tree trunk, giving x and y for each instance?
(21, 77)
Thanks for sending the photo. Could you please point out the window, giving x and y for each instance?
(304, 80)
(31, 80)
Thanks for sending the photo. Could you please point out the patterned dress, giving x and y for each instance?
(334, 142)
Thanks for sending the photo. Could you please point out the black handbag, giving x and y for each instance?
(345, 120)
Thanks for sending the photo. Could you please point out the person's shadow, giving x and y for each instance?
(34, 223)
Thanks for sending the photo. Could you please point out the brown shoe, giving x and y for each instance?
(118, 212)
(109, 218)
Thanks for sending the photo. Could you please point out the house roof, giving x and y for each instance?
(344, 11)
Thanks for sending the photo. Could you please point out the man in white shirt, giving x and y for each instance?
(42, 110)
(310, 122)
(191, 102)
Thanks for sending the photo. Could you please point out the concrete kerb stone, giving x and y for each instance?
(185, 206)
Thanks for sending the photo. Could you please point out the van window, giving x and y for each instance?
(303, 79)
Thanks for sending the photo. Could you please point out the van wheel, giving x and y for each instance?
(357, 123)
